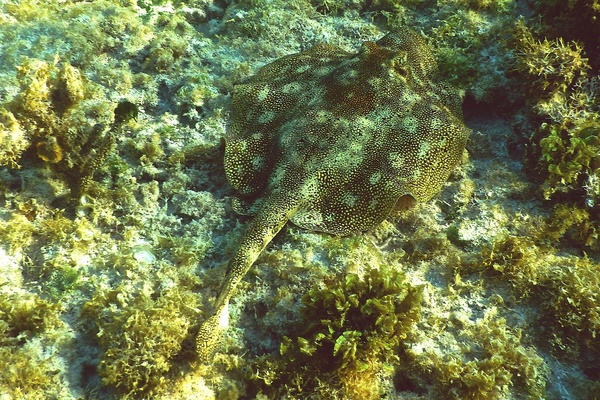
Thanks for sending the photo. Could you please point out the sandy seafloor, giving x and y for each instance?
(101, 293)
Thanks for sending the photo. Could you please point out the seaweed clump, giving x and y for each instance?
(353, 330)
(564, 149)
(25, 372)
(23, 316)
(565, 288)
(140, 332)
(62, 118)
(564, 292)
(488, 362)
(572, 20)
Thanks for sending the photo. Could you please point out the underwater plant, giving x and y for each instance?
(139, 332)
(26, 372)
(350, 330)
(488, 361)
(566, 289)
(63, 117)
(564, 149)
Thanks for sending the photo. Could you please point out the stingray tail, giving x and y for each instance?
(274, 213)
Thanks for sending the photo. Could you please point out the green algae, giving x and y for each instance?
(563, 151)
(51, 111)
(488, 361)
(29, 375)
(564, 148)
(140, 333)
(565, 287)
(349, 331)
(346, 335)
(24, 318)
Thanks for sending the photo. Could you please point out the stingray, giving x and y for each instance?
(335, 141)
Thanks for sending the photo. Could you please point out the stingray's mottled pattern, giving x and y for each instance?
(333, 140)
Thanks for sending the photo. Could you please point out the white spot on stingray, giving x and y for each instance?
(396, 160)
(302, 69)
(348, 77)
(363, 123)
(323, 116)
(436, 124)
(374, 178)
(266, 117)
(423, 149)
(263, 93)
(408, 97)
(292, 87)
(224, 317)
(258, 163)
(411, 124)
(321, 71)
(349, 199)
